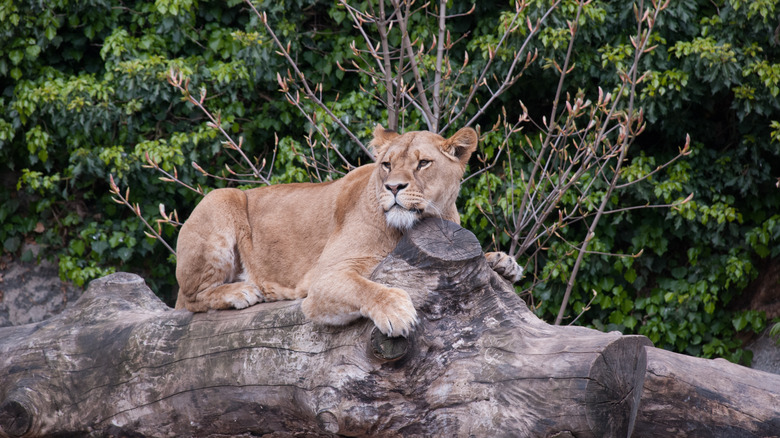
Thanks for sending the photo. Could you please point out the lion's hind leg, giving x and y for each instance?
(209, 268)
(220, 281)
(274, 292)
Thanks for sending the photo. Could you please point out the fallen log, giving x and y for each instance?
(121, 363)
(692, 397)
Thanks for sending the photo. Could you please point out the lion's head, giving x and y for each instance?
(418, 173)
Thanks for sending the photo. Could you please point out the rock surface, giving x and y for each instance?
(31, 292)
(766, 353)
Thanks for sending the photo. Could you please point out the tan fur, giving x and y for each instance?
(321, 241)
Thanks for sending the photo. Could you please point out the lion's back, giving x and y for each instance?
(291, 223)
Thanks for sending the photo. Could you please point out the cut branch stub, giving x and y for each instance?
(621, 390)
(15, 418)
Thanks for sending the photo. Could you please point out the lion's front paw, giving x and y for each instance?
(505, 265)
(393, 313)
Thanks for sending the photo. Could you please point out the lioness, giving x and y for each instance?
(320, 241)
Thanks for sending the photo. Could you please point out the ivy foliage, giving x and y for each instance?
(712, 75)
(84, 96)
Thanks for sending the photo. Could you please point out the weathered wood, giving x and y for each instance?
(119, 362)
(691, 397)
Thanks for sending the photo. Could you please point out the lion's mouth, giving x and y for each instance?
(396, 205)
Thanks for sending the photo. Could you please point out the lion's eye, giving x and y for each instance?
(422, 164)
(386, 165)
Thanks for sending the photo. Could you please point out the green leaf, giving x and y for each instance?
(617, 318)
(12, 243)
(740, 322)
(116, 239)
(16, 56)
(78, 247)
(124, 254)
(99, 246)
(32, 51)
(630, 275)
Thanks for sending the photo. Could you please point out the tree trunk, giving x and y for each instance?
(121, 363)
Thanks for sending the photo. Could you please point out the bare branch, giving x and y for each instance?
(168, 176)
(123, 199)
(296, 102)
(309, 93)
(439, 59)
(423, 99)
(684, 152)
(392, 104)
(510, 77)
(176, 79)
(627, 139)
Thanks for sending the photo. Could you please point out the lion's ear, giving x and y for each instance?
(382, 138)
(462, 144)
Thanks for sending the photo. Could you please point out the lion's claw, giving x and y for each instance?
(393, 314)
(243, 296)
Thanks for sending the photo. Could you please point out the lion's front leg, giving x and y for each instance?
(342, 297)
(505, 265)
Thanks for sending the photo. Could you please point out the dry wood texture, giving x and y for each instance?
(121, 363)
(688, 397)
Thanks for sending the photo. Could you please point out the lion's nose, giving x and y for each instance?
(395, 188)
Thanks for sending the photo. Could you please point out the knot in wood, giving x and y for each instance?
(328, 422)
(15, 418)
(388, 349)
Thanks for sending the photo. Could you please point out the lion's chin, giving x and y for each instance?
(401, 218)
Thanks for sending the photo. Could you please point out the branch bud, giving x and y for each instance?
(198, 168)
(686, 149)
(282, 83)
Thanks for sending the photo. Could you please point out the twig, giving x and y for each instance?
(423, 102)
(282, 50)
(176, 79)
(586, 308)
(124, 200)
(168, 177)
(439, 60)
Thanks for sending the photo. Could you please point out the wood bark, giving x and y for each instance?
(692, 397)
(121, 363)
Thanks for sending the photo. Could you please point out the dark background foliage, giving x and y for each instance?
(84, 96)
